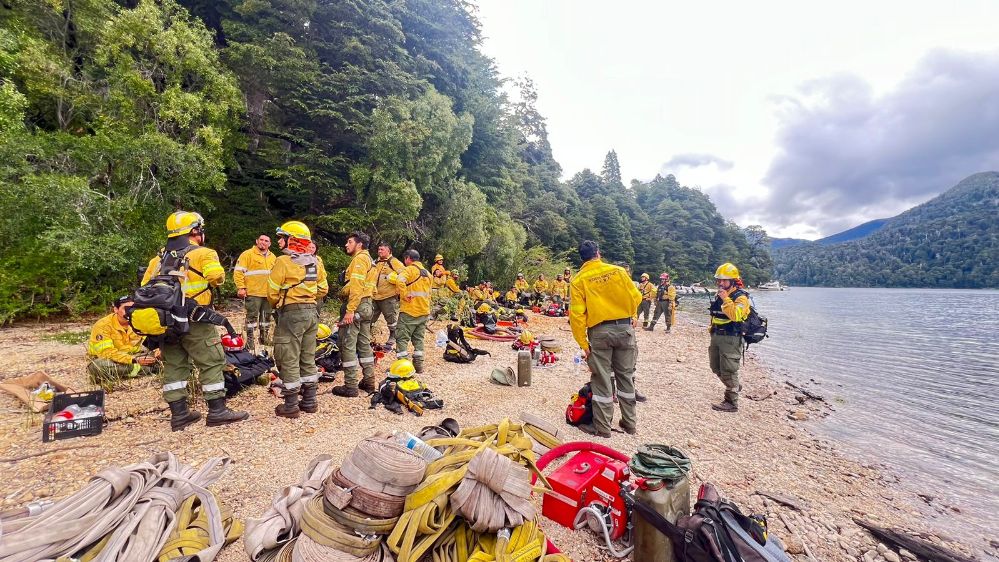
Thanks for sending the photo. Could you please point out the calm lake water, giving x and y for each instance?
(913, 375)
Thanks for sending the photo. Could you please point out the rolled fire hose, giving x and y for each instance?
(281, 522)
(429, 522)
(90, 515)
(325, 531)
(191, 532)
(373, 503)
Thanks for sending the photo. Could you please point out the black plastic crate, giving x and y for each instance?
(65, 429)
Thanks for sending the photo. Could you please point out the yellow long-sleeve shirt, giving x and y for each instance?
(560, 289)
(670, 294)
(414, 290)
(288, 284)
(360, 276)
(384, 287)
(648, 291)
(438, 267)
(110, 340)
(600, 292)
(203, 260)
(452, 286)
(541, 287)
(730, 310)
(521, 285)
(252, 270)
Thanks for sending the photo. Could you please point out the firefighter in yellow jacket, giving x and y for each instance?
(603, 303)
(559, 289)
(540, 288)
(355, 319)
(438, 265)
(648, 291)
(296, 281)
(201, 346)
(414, 311)
(728, 311)
(385, 301)
(115, 350)
(665, 301)
(250, 275)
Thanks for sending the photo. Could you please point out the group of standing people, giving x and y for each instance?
(604, 304)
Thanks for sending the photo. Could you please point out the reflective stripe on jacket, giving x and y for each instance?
(292, 282)
(414, 285)
(360, 280)
(725, 311)
(203, 260)
(600, 292)
(110, 340)
(252, 270)
(384, 287)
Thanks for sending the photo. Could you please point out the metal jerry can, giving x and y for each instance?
(672, 500)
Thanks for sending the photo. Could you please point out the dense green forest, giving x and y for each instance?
(949, 241)
(347, 114)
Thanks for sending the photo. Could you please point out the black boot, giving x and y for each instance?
(309, 404)
(367, 384)
(290, 408)
(345, 391)
(639, 397)
(181, 416)
(219, 414)
(649, 327)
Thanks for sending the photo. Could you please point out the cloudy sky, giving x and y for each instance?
(807, 118)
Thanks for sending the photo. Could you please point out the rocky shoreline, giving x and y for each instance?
(760, 451)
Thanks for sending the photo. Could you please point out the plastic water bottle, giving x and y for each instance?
(417, 445)
(73, 412)
(577, 359)
(441, 338)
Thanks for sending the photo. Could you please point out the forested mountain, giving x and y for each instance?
(855, 233)
(347, 114)
(950, 241)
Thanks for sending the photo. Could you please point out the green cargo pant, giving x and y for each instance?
(613, 353)
(258, 317)
(389, 308)
(725, 355)
(105, 372)
(411, 329)
(355, 347)
(643, 309)
(295, 344)
(664, 308)
(202, 346)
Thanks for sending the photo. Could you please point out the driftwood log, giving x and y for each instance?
(792, 502)
(920, 547)
(806, 392)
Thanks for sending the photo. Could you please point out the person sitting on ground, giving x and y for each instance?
(438, 265)
(559, 289)
(540, 289)
(116, 351)
(452, 283)
(510, 298)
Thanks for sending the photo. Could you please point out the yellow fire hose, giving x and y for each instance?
(429, 524)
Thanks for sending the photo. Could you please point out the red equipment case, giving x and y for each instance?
(588, 478)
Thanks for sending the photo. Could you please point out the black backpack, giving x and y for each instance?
(458, 349)
(242, 370)
(716, 532)
(754, 327)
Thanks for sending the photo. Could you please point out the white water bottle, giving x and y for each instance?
(441, 338)
(417, 445)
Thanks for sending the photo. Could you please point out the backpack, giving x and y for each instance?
(242, 370)
(754, 327)
(328, 354)
(161, 309)
(580, 408)
(458, 349)
(717, 531)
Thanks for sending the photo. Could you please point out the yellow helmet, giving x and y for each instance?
(645, 276)
(526, 337)
(484, 309)
(183, 222)
(438, 257)
(295, 229)
(323, 332)
(727, 271)
(402, 368)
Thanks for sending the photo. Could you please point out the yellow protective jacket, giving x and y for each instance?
(725, 310)
(600, 292)
(110, 340)
(511, 296)
(437, 283)
(252, 270)
(414, 290)
(670, 293)
(648, 291)
(204, 272)
(521, 285)
(289, 284)
(360, 280)
(438, 266)
(560, 289)
(477, 294)
(384, 287)
(452, 286)
(541, 287)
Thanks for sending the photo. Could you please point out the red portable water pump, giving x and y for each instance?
(586, 490)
